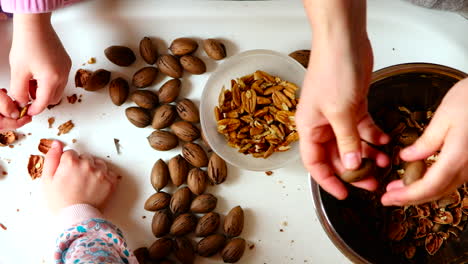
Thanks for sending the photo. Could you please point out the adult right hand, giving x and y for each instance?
(332, 115)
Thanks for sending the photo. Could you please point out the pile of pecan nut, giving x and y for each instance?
(426, 226)
(256, 115)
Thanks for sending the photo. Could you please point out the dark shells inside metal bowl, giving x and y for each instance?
(355, 224)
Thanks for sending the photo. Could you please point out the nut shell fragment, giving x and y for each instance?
(35, 165)
(7, 138)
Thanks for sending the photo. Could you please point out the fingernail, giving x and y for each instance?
(352, 160)
(55, 144)
(408, 150)
(14, 115)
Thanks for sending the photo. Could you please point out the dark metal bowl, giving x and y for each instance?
(355, 230)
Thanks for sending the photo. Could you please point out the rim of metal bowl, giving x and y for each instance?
(332, 234)
(378, 75)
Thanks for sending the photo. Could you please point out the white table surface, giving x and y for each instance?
(399, 33)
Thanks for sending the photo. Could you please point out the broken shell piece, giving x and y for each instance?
(7, 138)
(443, 217)
(35, 165)
(433, 243)
(397, 231)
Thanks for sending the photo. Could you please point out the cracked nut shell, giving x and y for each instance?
(98, 80)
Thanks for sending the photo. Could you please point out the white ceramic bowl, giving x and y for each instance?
(242, 64)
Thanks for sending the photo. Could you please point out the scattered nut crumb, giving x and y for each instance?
(92, 60)
(143, 217)
(24, 111)
(284, 223)
(268, 173)
(292, 241)
(281, 230)
(252, 246)
(108, 156)
(51, 121)
(65, 127)
(45, 145)
(72, 99)
(3, 226)
(35, 165)
(117, 145)
(7, 138)
(11, 146)
(29, 134)
(52, 106)
(79, 100)
(73, 141)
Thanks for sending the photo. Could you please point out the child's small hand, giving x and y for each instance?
(37, 53)
(70, 179)
(9, 114)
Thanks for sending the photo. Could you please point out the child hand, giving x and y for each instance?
(9, 114)
(446, 132)
(69, 179)
(37, 53)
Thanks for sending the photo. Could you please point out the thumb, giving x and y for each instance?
(429, 142)
(344, 126)
(52, 159)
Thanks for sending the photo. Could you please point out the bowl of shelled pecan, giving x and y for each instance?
(402, 100)
(247, 110)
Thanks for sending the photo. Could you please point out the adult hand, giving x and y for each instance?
(69, 179)
(332, 115)
(446, 132)
(37, 53)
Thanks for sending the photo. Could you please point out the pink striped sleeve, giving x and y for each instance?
(34, 6)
